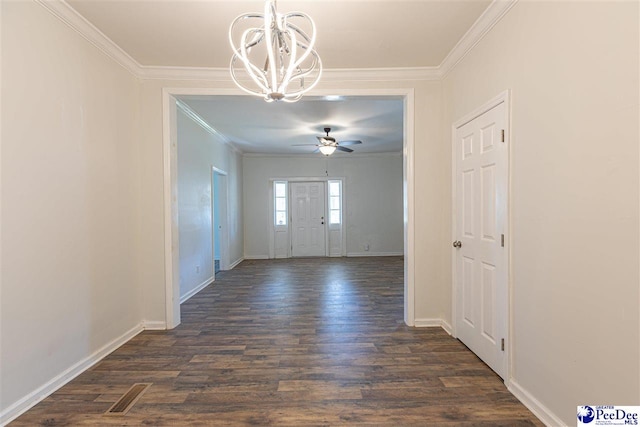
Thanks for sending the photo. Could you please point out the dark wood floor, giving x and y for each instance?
(292, 342)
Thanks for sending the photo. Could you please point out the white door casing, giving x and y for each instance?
(308, 219)
(171, 228)
(481, 258)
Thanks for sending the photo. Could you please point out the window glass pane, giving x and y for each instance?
(281, 218)
(334, 188)
(281, 204)
(281, 188)
(334, 217)
(334, 203)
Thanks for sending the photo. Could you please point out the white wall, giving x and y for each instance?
(573, 71)
(198, 152)
(372, 198)
(69, 203)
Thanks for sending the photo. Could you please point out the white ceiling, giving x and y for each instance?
(255, 126)
(351, 34)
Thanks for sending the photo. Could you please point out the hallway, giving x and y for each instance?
(292, 342)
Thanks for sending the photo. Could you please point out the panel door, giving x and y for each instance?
(481, 260)
(307, 219)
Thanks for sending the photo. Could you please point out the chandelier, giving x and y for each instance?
(275, 60)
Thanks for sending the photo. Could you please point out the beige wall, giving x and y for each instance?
(69, 200)
(431, 171)
(572, 68)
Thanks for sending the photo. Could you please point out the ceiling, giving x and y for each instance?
(255, 126)
(351, 34)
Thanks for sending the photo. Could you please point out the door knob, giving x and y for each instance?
(457, 244)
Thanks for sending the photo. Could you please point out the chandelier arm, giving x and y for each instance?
(299, 31)
(308, 71)
(249, 69)
(235, 22)
(308, 88)
(253, 71)
(304, 37)
(269, 16)
(292, 65)
(256, 40)
(242, 86)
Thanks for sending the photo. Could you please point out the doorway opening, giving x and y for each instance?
(219, 215)
(172, 267)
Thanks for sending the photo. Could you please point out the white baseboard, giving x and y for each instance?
(256, 257)
(447, 327)
(197, 289)
(30, 400)
(539, 410)
(235, 263)
(360, 254)
(154, 325)
(427, 323)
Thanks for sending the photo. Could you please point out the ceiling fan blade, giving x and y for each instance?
(303, 145)
(345, 149)
(351, 142)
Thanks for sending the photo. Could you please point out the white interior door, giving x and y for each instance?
(480, 249)
(307, 219)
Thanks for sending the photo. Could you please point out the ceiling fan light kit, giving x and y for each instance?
(327, 150)
(275, 60)
(327, 145)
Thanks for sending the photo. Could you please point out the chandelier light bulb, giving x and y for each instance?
(275, 60)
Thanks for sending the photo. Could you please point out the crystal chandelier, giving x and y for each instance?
(275, 60)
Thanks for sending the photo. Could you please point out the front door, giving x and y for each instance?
(480, 257)
(307, 219)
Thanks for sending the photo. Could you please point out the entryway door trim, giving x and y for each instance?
(169, 149)
(504, 97)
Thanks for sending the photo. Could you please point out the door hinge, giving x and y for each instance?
(502, 344)
(502, 240)
(502, 135)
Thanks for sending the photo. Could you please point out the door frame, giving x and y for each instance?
(170, 191)
(502, 98)
(224, 219)
(289, 181)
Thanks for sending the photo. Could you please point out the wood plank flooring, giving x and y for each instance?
(292, 343)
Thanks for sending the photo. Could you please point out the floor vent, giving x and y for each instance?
(129, 399)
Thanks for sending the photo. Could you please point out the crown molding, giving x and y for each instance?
(328, 75)
(489, 18)
(206, 126)
(184, 73)
(68, 15)
(381, 74)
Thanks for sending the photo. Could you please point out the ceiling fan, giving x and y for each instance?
(327, 144)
